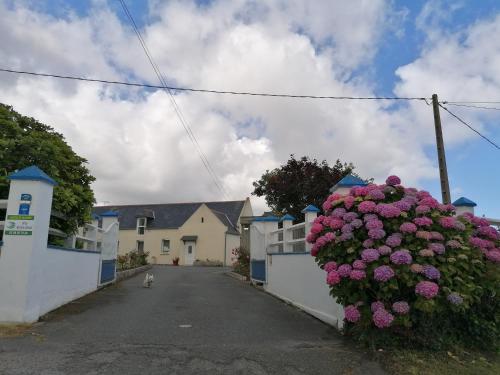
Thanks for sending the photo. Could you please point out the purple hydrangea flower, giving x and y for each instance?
(427, 289)
(376, 234)
(493, 256)
(393, 180)
(347, 228)
(356, 223)
(350, 216)
(422, 209)
(352, 314)
(437, 236)
(376, 194)
(401, 307)
(401, 257)
(431, 272)
(368, 243)
(383, 273)
(403, 205)
(455, 298)
(437, 247)
(338, 212)
(382, 318)
(369, 255)
(344, 270)
(345, 236)
(369, 217)
(393, 240)
(387, 210)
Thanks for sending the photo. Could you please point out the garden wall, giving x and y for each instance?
(297, 279)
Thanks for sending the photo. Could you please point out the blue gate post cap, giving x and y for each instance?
(310, 208)
(32, 173)
(348, 181)
(267, 218)
(109, 214)
(287, 217)
(94, 216)
(464, 202)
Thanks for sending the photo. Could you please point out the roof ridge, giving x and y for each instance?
(161, 204)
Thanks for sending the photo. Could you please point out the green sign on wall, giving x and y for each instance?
(19, 225)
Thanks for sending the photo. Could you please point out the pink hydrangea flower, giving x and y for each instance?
(316, 228)
(426, 253)
(311, 237)
(447, 222)
(357, 275)
(366, 207)
(374, 224)
(352, 314)
(359, 265)
(423, 194)
(416, 268)
(422, 209)
(333, 278)
(368, 243)
(423, 221)
(393, 180)
(359, 191)
(429, 202)
(493, 255)
(408, 228)
(423, 235)
(401, 307)
(427, 289)
(314, 250)
(382, 318)
(330, 266)
(336, 223)
(454, 244)
(348, 201)
(387, 210)
(437, 236)
(383, 273)
(377, 305)
(376, 195)
(384, 250)
(489, 232)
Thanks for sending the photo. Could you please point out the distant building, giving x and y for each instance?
(189, 231)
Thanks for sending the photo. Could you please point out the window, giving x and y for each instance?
(140, 247)
(190, 249)
(202, 220)
(165, 246)
(141, 225)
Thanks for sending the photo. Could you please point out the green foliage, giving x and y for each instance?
(298, 183)
(242, 264)
(132, 259)
(25, 141)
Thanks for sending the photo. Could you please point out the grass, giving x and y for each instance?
(458, 362)
(14, 330)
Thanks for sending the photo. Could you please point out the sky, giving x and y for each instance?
(139, 152)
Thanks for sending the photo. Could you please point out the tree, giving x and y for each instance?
(25, 141)
(298, 183)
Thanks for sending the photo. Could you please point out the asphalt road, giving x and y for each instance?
(192, 321)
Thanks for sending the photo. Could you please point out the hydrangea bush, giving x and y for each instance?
(397, 259)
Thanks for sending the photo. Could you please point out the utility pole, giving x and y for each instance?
(443, 171)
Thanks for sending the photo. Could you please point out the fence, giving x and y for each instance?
(282, 263)
(35, 277)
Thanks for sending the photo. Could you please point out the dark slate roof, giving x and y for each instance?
(171, 215)
(231, 227)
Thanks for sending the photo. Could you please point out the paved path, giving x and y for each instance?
(232, 329)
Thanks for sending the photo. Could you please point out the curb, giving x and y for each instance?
(237, 276)
(122, 275)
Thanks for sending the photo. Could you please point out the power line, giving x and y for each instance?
(471, 102)
(469, 126)
(176, 107)
(470, 106)
(209, 91)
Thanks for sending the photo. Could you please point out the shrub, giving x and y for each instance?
(132, 259)
(208, 263)
(242, 263)
(405, 268)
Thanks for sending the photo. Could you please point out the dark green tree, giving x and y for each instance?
(25, 141)
(298, 183)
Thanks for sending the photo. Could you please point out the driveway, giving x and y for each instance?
(192, 321)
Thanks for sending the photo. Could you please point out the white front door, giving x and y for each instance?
(189, 252)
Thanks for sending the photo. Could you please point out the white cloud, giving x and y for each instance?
(137, 149)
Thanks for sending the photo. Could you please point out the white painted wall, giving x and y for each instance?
(67, 275)
(297, 279)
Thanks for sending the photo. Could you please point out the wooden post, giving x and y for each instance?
(443, 171)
